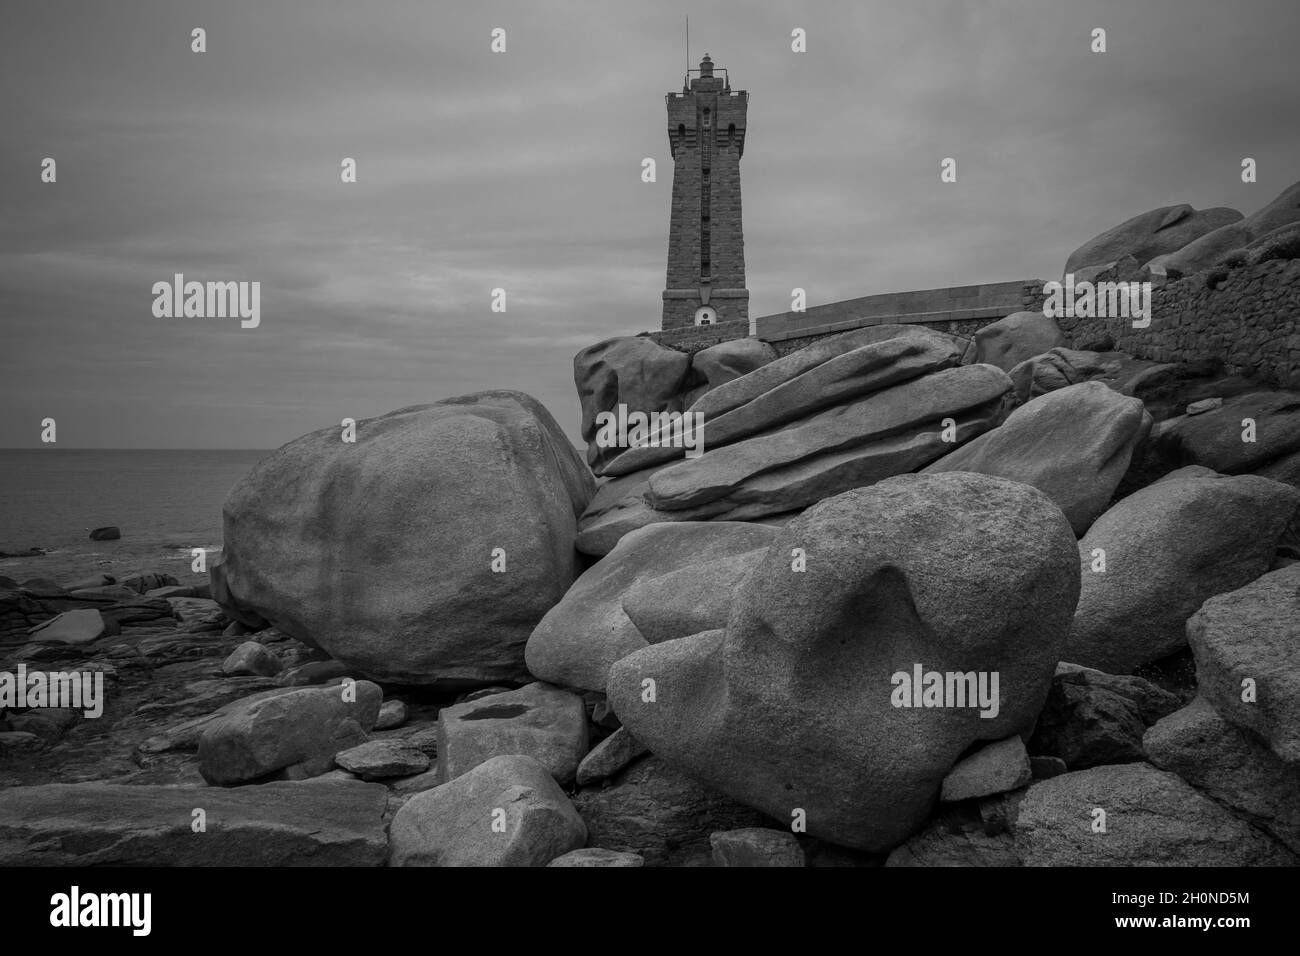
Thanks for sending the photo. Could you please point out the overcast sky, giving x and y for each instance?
(522, 170)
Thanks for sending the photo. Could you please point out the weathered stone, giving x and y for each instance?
(1150, 234)
(595, 856)
(305, 725)
(316, 672)
(634, 371)
(1230, 765)
(1286, 470)
(677, 579)
(1213, 438)
(726, 361)
(277, 824)
(1252, 635)
(72, 627)
(793, 704)
(253, 660)
(1073, 445)
(142, 582)
(380, 759)
(619, 508)
(890, 432)
(661, 814)
(191, 610)
(1204, 405)
(537, 721)
(869, 368)
(956, 843)
(1168, 548)
(391, 714)
(1211, 248)
(1017, 337)
(381, 551)
(745, 389)
(1057, 368)
(1153, 818)
(994, 768)
(756, 846)
(109, 533)
(609, 757)
(1093, 718)
(453, 825)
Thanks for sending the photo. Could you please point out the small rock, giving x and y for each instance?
(191, 610)
(109, 533)
(307, 725)
(235, 629)
(105, 592)
(660, 813)
(1204, 405)
(391, 714)
(171, 591)
(315, 672)
(72, 627)
(756, 846)
(142, 581)
(251, 659)
(408, 786)
(994, 768)
(483, 692)
(1093, 718)
(595, 856)
(333, 776)
(609, 757)
(94, 581)
(377, 759)
(451, 825)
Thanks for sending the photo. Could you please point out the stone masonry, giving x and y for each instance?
(706, 245)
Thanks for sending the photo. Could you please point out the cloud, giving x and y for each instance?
(522, 171)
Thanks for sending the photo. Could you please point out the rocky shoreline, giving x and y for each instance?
(1019, 599)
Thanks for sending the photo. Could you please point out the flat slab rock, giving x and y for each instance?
(379, 759)
(277, 824)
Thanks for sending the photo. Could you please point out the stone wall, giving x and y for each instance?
(957, 310)
(1248, 320)
(693, 338)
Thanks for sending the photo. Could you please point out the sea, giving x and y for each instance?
(166, 503)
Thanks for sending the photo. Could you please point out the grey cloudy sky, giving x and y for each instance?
(522, 171)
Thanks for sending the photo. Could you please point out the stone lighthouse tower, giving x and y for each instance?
(706, 248)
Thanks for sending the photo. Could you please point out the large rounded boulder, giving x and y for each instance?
(425, 551)
(883, 632)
